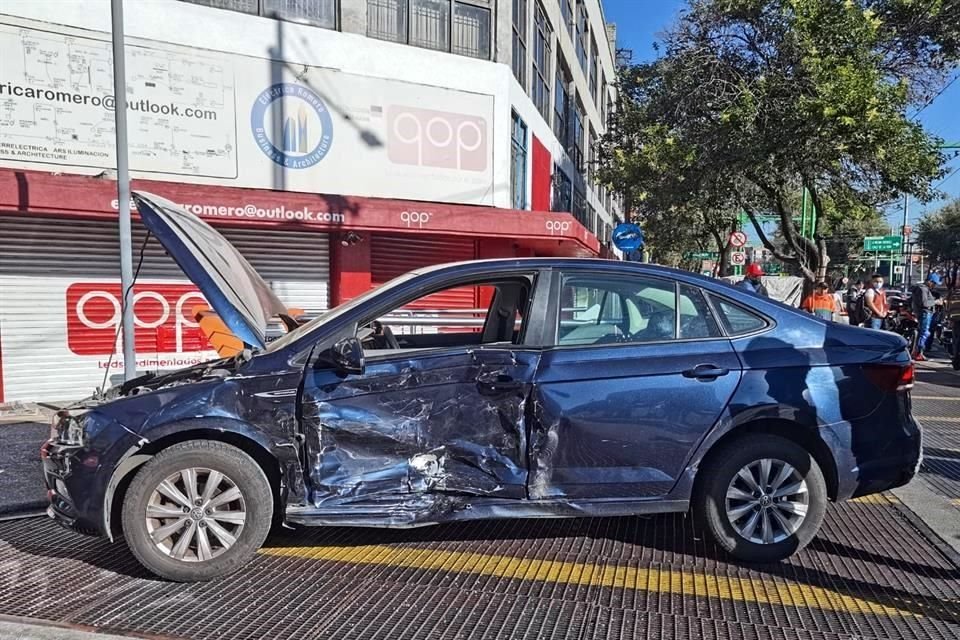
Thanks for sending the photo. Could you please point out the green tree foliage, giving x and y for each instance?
(754, 100)
(939, 233)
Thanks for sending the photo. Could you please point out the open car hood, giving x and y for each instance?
(236, 292)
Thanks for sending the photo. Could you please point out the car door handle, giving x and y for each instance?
(494, 382)
(705, 372)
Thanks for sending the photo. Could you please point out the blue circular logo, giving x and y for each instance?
(291, 125)
(627, 237)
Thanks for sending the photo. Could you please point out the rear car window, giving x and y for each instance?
(696, 318)
(737, 321)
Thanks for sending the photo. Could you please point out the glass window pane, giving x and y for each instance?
(737, 320)
(322, 13)
(245, 6)
(518, 164)
(696, 318)
(471, 33)
(589, 311)
(387, 20)
(430, 24)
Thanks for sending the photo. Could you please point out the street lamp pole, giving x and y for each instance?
(903, 235)
(123, 191)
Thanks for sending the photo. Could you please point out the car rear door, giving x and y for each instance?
(631, 383)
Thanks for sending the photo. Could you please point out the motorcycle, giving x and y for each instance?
(950, 339)
(900, 320)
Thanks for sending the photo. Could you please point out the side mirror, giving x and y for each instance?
(347, 356)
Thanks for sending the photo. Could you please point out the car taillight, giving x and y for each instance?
(890, 377)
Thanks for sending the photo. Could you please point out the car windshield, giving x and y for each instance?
(308, 328)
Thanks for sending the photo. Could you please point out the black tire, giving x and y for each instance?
(715, 476)
(239, 468)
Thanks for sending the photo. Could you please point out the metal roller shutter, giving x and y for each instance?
(391, 256)
(59, 299)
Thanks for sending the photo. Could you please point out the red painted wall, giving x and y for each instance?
(540, 178)
(349, 268)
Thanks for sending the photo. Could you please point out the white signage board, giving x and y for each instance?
(57, 103)
(208, 117)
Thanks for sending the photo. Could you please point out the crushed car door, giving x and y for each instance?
(422, 430)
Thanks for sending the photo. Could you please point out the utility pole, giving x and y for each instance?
(123, 191)
(903, 234)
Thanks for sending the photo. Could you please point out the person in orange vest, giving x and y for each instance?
(875, 303)
(821, 302)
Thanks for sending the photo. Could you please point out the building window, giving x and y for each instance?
(561, 104)
(591, 156)
(575, 140)
(566, 10)
(518, 164)
(520, 41)
(583, 28)
(562, 190)
(461, 27)
(321, 13)
(603, 100)
(387, 19)
(471, 30)
(579, 209)
(594, 71)
(542, 38)
(430, 24)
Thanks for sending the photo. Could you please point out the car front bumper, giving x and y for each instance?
(70, 475)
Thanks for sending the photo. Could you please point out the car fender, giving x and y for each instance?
(736, 419)
(284, 453)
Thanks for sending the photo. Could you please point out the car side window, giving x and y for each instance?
(696, 317)
(603, 310)
(481, 313)
(737, 321)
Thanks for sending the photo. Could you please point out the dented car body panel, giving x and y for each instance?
(516, 422)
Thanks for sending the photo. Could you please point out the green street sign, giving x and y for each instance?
(882, 243)
(705, 255)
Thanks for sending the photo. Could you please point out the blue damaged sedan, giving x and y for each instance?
(579, 387)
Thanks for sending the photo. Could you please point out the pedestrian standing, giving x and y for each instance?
(923, 304)
(753, 282)
(875, 302)
(855, 314)
(821, 302)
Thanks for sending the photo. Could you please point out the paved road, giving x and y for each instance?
(21, 477)
(875, 571)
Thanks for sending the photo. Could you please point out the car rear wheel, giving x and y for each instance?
(762, 498)
(197, 511)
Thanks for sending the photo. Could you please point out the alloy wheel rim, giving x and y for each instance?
(767, 501)
(195, 514)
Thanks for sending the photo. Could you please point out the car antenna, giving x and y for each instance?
(101, 391)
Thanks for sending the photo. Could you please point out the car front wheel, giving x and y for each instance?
(198, 510)
(762, 498)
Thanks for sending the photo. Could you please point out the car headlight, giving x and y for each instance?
(68, 429)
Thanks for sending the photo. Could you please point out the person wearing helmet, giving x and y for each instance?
(753, 282)
(924, 305)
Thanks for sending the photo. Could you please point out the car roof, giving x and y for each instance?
(558, 263)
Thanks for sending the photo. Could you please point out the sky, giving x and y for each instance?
(639, 22)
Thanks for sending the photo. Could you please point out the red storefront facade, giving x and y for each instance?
(59, 228)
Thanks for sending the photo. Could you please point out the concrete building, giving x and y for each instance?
(337, 143)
